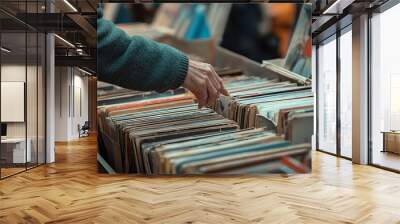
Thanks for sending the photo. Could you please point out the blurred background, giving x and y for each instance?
(257, 31)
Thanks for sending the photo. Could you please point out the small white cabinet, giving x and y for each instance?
(13, 150)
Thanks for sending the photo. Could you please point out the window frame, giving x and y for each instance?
(333, 37)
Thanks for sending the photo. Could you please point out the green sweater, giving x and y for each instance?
(136, 62)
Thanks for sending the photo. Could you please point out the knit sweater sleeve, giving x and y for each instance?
(136, 62)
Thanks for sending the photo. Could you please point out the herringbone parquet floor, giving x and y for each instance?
(71, 191)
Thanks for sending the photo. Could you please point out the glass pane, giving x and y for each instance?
(23, 79)
(346, 94)
(32, 88)
(31, 100)
(327, 97)
(13, 86)
(385, 84)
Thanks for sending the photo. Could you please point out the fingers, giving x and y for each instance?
(224, 91)
(206, 93)
(212, 94)
(214, 78)
(202, 92)
(217, 81)
(204, 83)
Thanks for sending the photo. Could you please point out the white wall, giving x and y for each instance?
(79, 112)
(61, 104)
(14, 73)
(70, 83)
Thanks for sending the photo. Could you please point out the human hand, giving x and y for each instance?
(204, 83)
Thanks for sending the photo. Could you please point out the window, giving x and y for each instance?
(327, 96)
(346, 93)
(385, 88)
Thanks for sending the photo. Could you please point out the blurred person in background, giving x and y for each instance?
(282, 19)
(260, 31)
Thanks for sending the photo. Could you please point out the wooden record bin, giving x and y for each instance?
(221, 57)
(206, 51)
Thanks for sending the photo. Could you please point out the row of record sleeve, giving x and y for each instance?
(263, 127)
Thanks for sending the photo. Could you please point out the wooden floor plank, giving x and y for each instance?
(71, 191)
